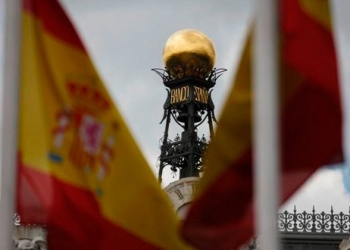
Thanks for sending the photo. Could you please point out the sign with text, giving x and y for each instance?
(185, 93)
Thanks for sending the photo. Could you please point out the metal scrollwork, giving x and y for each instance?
(313, 222)
(181, 71)
(173, 152)
(340, 222)
(285, 221)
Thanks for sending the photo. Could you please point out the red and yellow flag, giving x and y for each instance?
(80, 172)
(311, 128)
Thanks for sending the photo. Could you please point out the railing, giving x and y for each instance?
(313, 222)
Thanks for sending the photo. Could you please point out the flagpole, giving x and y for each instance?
(9, 122)
(266, 135)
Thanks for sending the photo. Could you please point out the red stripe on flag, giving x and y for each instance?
(32, 195)
(308, 47)
(212, 225)
(73, 220)
(312, 116)
(312, 134)
(54, 20)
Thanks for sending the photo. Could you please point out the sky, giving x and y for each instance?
(125, 40)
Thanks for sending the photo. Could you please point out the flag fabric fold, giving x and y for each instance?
(80, 172)
(311, 128)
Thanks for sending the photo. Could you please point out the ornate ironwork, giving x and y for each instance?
(175, 153)
(189, 104)
(313, 222)
(183, 71)
(305, 231)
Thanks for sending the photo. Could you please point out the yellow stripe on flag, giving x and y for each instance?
(321, 13)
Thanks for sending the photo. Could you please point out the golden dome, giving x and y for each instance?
(189, 52)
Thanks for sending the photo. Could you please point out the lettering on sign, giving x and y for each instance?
(179, 94)
(200, 94)
(183, 94)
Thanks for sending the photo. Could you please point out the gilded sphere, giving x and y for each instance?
(189, 52)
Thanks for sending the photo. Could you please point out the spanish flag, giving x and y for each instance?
(311, 128)
(80, 172)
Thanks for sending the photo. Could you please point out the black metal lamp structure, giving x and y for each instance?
(189, 78)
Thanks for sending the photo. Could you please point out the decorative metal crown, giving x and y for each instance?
(183, 71)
